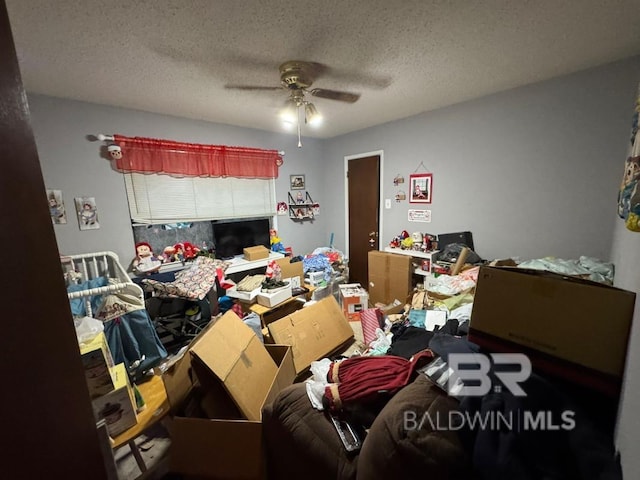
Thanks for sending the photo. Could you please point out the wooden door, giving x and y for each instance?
(363, 183)
(48, 426)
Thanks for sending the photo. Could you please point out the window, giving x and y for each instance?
(157, 198)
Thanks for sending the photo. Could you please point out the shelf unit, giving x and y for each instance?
(415, 254)
(301, 208)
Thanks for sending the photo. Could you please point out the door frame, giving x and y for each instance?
(379, 153)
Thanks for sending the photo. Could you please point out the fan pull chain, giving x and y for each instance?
(299, 140)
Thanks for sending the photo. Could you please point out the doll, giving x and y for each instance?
(115, 152)
(145, 262)
(169, 254)
(190, 250)
(275, 242)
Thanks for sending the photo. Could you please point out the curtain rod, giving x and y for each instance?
(101, 137)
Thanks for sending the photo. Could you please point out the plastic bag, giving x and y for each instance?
(87, 328)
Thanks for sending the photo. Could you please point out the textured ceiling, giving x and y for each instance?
(403, 57)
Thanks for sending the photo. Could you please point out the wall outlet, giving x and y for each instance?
(387, 203)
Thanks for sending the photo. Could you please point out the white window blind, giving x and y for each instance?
(163, 199)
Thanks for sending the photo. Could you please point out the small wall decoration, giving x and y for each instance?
(315, 209)
(115, 151)
(629, 195)
(400, 195)
(419, 216)
(282, 208)
(420, 187)
(296, 182)
(398, 180)
(87, 213)
(56, 207)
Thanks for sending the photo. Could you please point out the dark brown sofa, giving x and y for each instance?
(302, 443)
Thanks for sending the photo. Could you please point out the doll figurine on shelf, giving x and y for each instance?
(145, 262)
(276, 243)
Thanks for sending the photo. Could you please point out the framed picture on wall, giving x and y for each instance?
(56, 207)
(87, 213)
(420, 185)
(296, 182)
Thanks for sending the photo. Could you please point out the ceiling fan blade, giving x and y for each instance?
(335, 95)
(251, 87)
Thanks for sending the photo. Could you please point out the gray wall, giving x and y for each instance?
(72, 163)
(530, 172)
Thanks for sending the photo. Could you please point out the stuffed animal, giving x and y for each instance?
(145, 262)
(190, 250)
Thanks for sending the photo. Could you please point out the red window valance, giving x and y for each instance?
(148, 155)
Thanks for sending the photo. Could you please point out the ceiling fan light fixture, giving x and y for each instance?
(289, 113)
(311, 115)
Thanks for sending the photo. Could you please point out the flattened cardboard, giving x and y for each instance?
(313, 332)
(235, 355)
(578, 321)
(390, 276)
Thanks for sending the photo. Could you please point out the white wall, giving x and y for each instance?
(72, 163)
(531, 172)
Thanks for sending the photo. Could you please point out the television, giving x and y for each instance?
(231, 237)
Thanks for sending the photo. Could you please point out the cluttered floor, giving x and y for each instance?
(429, 322)
(153, 446)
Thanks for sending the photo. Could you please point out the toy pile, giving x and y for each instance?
(417, 241)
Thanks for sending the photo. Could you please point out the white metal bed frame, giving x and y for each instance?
(87, 266)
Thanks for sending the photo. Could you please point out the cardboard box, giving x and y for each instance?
(313, 332)
(390, 276)
(353, 299)
(97, 360)
(256, 253)
(291, 270)
(569, 327)
(272, 299)
(233, 292)
(238, 375)
(118, 407)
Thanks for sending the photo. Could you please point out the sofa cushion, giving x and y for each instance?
(301, 442)
(400, 445)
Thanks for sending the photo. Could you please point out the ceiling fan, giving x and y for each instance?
(297, 76)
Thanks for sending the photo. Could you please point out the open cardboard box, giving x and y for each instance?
(291, 269)
(572, 328)
(313, 332)
(216, 392)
